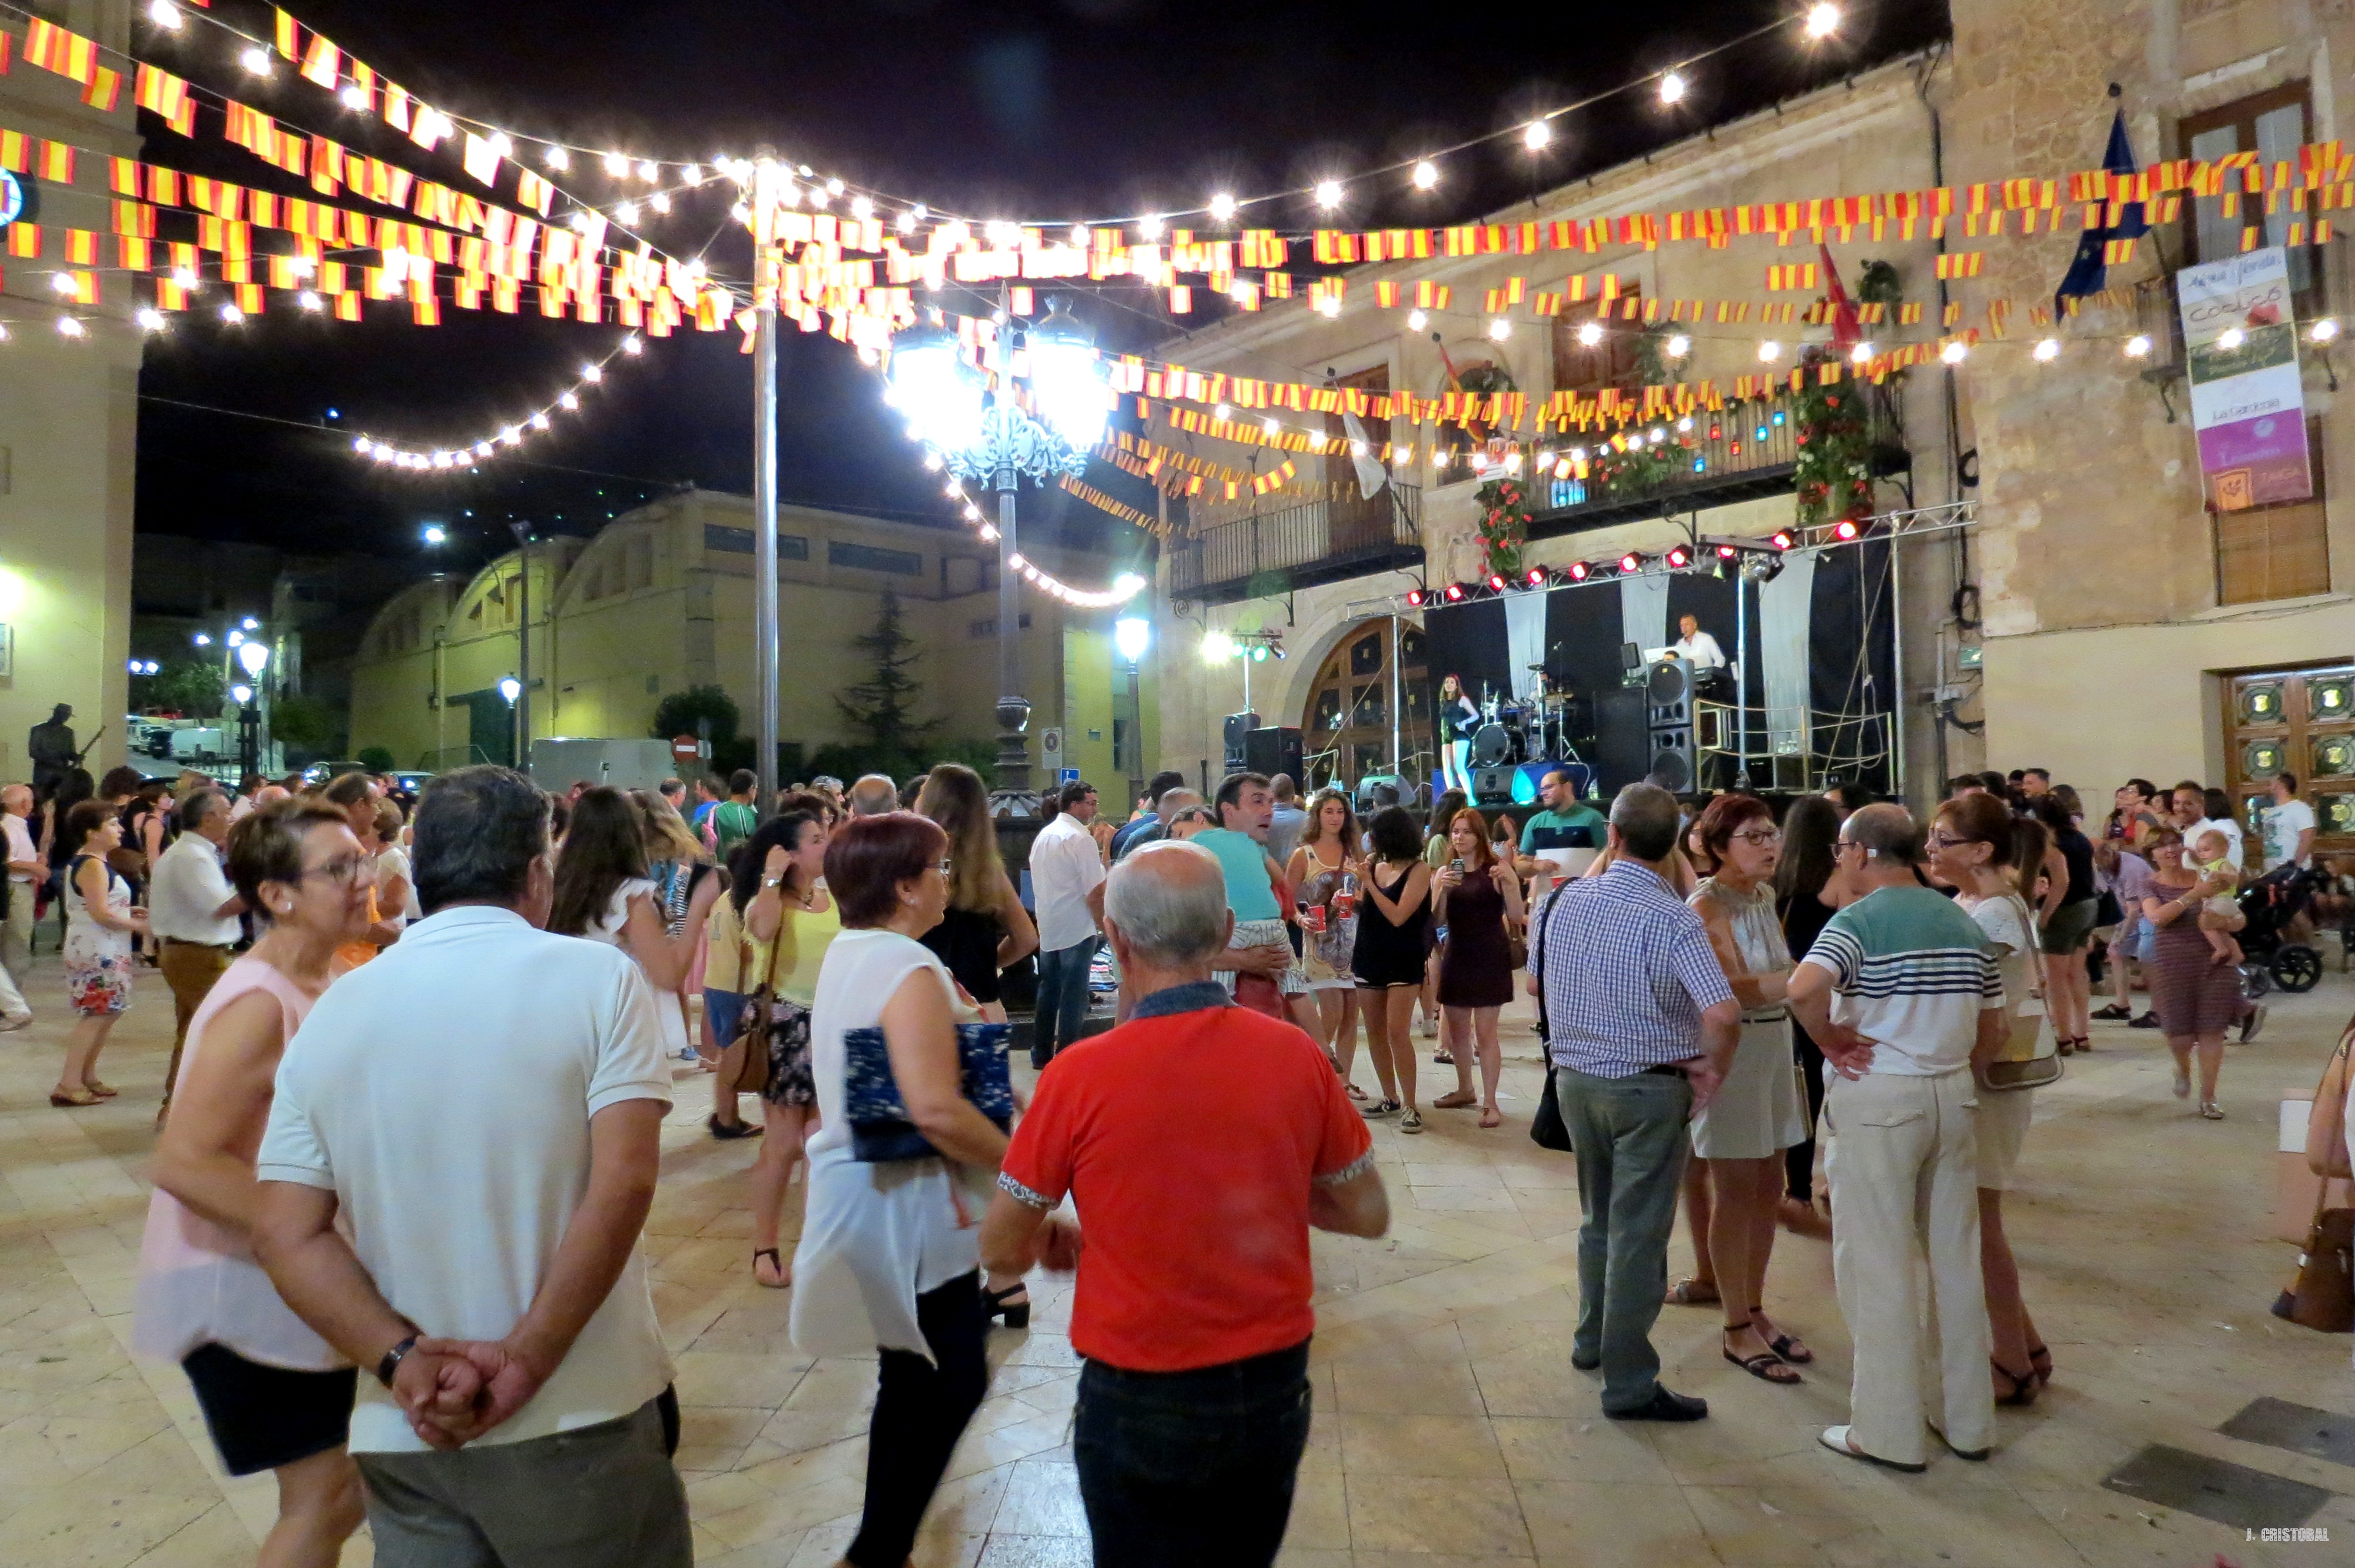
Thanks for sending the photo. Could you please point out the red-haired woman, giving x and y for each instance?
(1758, 1112)
(1472, 896)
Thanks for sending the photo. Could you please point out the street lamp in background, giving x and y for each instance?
(984, 432)
(510, 688)
(253, 658)
(1130, 634)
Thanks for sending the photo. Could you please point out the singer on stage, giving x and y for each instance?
(1458, 717)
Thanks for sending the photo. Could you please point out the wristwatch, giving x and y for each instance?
(392, 1359)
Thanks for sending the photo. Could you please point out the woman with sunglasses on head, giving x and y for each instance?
(1740, 1135)
(276, 1396)
(1976, 846)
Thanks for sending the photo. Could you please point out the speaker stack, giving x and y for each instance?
(1494, 785)
(1271, 750)
(1669, 711)
(1237, 738)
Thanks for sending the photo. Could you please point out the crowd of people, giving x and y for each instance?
(1829, 1019)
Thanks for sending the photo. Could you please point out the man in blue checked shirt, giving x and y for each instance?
(1642, 1025)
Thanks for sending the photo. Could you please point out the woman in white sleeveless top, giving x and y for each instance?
(604, 891)
(276, 1396)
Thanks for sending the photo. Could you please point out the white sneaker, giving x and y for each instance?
(1428, 1027)
(14, 1021)
(2182, 1084)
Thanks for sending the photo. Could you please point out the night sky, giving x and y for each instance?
(1086, 109)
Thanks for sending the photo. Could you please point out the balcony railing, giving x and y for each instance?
(1299, 545)
(1736, 454)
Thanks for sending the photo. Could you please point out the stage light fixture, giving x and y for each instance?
(1414, 598)
(1578, 570)
(1844, 530)
(1631, 563)
(1537, 576)
(1495, 582)
(1680, 558)
(1455, 593)
(1726, 552)
(1782, 539)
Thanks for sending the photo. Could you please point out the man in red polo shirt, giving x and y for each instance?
(1200, 1141)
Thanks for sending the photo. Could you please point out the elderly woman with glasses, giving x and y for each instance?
(1757, 1113)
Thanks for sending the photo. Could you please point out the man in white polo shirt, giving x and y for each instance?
(26, 872)
(193, 910)
(482, 1106)
(1066, 874)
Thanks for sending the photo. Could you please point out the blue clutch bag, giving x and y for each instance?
(879, 1128)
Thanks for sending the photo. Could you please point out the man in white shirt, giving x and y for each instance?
(2289, 826)
(2189, 799)
(1697, 646)
(1066, 874)
(26, 872)
(481, 1106)
(193, 910)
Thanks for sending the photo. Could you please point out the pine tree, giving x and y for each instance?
(883, 706)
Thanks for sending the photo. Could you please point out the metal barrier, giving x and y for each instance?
(1325, 540)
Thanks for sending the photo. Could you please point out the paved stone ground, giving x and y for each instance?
(1451, 1430)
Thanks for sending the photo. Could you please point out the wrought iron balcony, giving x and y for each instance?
(1298, 546)
(1732, 455)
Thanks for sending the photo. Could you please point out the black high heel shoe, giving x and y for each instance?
(2023, 1385)
(1017, 1314)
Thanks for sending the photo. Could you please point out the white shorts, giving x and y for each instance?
(1292, 981)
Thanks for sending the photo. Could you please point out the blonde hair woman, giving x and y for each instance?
(984, 929)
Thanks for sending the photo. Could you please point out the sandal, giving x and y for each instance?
(1000, 1304)
(724, 1131)
(1354, 1092)
(784, 1275)
(2117, 1013)
(103, 1091)
(1765, 1366)
(2040, 1361)
(1786, 1346)
(74, 1101)
(1455, 1099)
(1693, 1293)
(1491, 1116)
(2023, 1388)
(1444, 1058)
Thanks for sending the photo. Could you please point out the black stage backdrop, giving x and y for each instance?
(1710, 600)
(1851, 662)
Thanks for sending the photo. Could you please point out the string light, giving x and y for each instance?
(2229, 339)
(557, 158)
(71, 326)
(354, 96)
(1770, 351)
(2139, 347)
(1499, 330)
(1672, 88)
(1678, 345)
(164, 14)
(2324, 330)
(1954, 353)
(149, 318)
(2046, 350)
(1417, 321)
(256, 60)
(1223, 207)
(1823, 20)
(507, 435)
(617, 166)
(1426, 174)
(1328, 194)
(1861, 353)
(1537, 136)
(309, 300)
(1590, 333)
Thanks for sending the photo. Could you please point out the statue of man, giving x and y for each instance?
(51, 747)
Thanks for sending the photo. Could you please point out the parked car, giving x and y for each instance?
(320, 772)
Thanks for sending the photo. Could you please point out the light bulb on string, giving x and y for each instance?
(626, 215)
(1417, 321)
(164, 14)
(1329, 195)
(649, 173)
(861, 208)
(256, 60)
(1590, 333)
(557, 158)
(2230, 338)
(1954, 353)
(1426, 174)
(309, 300)
(659, 202)
(1861, 353)
(905, 223)
(1672, 88)
(2047, 350)
(692, 174)
(1223, 209)
(148, 318)
(616, 166)
(1770, 351)
(1678, 345)
(1150, 227)
(232, 315)
(354, 96)
(1499, 330)
(1823, 20)
(2139, 347)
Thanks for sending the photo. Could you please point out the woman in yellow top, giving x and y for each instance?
(787, 919)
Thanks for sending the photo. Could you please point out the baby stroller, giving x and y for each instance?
(2269, 905)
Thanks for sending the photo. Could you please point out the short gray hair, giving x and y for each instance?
(1889, 831)
(873, 795)
(198, 804)
(1647, 818)
(1169, 901)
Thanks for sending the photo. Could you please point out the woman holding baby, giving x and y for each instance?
(2196, 988)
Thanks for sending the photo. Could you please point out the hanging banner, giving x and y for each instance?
(2248, 405)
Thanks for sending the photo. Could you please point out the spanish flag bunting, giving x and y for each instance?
(104, 90)
(250, 298)
(25, 240)
(347, 307)
(323, 63)
(15, 152)
(57, 164)
(135, 254)
(482, 160)
(53, 48)
(1960, 263)
(82, 248)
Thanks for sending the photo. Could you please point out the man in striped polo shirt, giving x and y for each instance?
(1904, 1000)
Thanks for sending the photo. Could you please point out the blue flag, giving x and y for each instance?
(2087, 272)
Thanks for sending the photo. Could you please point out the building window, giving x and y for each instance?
(2276, 552)
(1583, 367)
(2274, 125)
(868, 558)
(739, 542)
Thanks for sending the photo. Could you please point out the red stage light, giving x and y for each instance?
(1725, 552)
(1844, 530)
(1631, 563)
(1496, 583)
(1782, 539)
(1679, 556)
(1454, 592)
(1578, 571)
(1414, 599)
(1537, 576)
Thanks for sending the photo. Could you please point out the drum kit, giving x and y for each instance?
(1510, 733)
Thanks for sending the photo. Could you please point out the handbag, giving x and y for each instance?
(2030, 1058)
(1547, 1129)
(2322, 1296)
(753, 1027)
(881, 1131)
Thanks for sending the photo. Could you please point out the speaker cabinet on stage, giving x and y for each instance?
(1271, 750)
(1239, 726)
(1622, 737)
(1493, 785)
(1668, 693)
(1673, 766)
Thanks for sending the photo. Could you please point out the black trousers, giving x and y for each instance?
(921, 1410)
(1181, 1469)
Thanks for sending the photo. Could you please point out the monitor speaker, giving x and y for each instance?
(1237, 727)
(1493, 785)
(1669, 692)
(1271, 750)
(1404, 788)
(1672, 765)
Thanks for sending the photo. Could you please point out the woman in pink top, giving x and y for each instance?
(275, 1395)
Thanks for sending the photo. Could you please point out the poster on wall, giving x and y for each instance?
(2248, 407)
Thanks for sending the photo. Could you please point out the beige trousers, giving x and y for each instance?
(1903, 1165)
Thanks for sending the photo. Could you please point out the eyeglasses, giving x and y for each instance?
(1948, 840)
(947, 865)
(1762, 837)
(343, 871)
(1839, 844)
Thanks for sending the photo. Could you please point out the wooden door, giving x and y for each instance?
(2300, 722)
(1356, 522)
(1346, 731)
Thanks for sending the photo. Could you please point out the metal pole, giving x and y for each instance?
(1013, 709)
(523, 648)
(1741, 676)
(1896, 665)
(1135, 736)
(764, 545)
(1398, 697)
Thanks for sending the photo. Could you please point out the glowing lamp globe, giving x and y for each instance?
(511, 688)
(1130, 634)
(254, 656)
(935, 388)
(1066, 381)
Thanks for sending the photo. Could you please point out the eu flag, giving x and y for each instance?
(2087, 273)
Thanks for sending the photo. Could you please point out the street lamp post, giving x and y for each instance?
(254, 656)
(1129, 635)
(512, 690)
(520, 700)
(985, 434)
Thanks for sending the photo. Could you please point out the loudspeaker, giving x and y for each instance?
(1672, 763)
(1623, 740)
(1408, 795)
(1669, 692)
(1238, 727)
(1273, 750)
(1493, 785)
